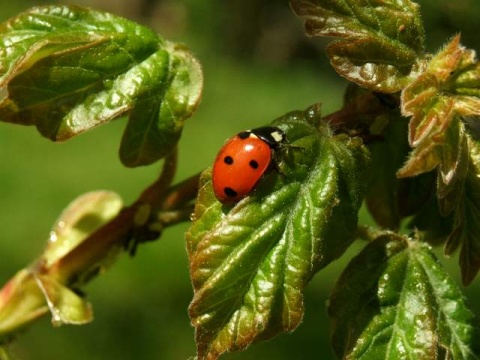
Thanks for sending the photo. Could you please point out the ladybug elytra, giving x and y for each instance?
(242, 162)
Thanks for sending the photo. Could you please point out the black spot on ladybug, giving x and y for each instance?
(230, 192)
(253, 164)
(244, 135)
(228, 160)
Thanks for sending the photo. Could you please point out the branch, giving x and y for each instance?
(54, 285)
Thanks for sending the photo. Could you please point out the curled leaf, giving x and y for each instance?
(30, 295)
(66, 306)
(440, 102)
(379, 43)
(249, 264)
(34, 291)
(435, 102)
(21, 301)
(69, 69)
(80, 219)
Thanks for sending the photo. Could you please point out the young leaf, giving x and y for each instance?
(66, 306)
(249, 264)
(458, 184)
(379, 42)
(435, 102)
(395, 301)
(69, 69)
(438, 101)
(21, 301)
(29, 295)
(81, 218)
(33, 291)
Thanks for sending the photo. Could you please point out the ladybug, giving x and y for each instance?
(243, 160)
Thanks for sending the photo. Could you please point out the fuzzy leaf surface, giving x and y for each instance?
(249, 264)
(435, 101)
(395, 301)
(379, 42)
(439, 102)
(69, 69)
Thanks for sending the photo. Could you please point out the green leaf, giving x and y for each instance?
(379, 42)
(382, 197)
(66, 306)
(436, 150)
(435, 105)
(31, 294)
(34, 291)
(438, 102)
(40, 32)
(81, 218)
(156, 121)
(466, 223)
(69, 69)
(395, 301)
(249, 264)
(21, 302)
(467, 81)
(458, 186)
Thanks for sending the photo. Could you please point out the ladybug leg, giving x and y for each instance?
(293, 147)
(278, 169)
(287, 145)
(285, 149)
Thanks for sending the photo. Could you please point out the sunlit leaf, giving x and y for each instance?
(156, 120)
(395, 301)
(379, 42)
(32, 292)
(66, 306)
(249, 264)
(458, 185)
(435, 102)
(80, 219)
(438, 102)
(431, 112)
(430, 153)
(29, 295)
(21, 301)
(69, 69)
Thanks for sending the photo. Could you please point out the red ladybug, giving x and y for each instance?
(242, 162)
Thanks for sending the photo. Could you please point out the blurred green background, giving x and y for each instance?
(258, 65)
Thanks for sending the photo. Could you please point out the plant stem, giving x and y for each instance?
(21, 301)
